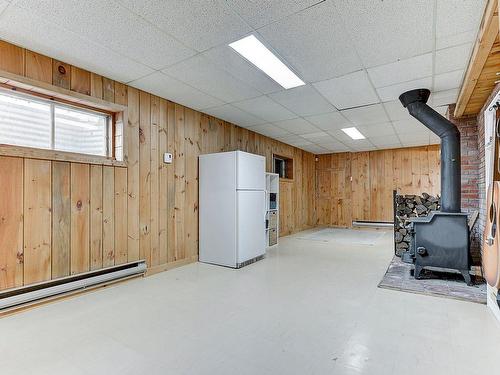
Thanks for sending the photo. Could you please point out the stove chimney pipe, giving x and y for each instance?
(415, 101)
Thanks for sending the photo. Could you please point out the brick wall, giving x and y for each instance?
(471, 171)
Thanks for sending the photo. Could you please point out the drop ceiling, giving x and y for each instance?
(356, 57)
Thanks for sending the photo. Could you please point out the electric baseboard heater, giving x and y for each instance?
(32, 293)
(378, 224)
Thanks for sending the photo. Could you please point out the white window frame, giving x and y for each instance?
(53, 104)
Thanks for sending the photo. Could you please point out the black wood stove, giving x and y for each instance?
(442, 238)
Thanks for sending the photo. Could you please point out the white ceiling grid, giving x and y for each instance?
(356, 57)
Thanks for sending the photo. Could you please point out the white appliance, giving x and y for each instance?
(232, 208)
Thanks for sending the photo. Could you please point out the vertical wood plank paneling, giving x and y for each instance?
(171, 182)
(38, 67)
(191, 153)
(80, 80)
(154, 191)
(108, 216)
(96, 218)
(37, 220)
(96, 85)
(11, 222)
(180, 183)
(121, 214)
(61, 74)
(360, 186)
(145, 177)
(133, 174)
(61, 219)
(108, 89)
(375, 175)
(11, 58)
(80, 218)
(163, 214)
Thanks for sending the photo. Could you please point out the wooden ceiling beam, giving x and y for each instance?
(488, 32)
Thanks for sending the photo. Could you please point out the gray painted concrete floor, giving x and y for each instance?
(308, 308)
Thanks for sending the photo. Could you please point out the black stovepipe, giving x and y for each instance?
(415, 101)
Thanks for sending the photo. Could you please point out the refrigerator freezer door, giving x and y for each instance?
(251, 171)
(251, 225)
(217, 209)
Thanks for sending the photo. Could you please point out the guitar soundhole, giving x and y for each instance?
(493, 219)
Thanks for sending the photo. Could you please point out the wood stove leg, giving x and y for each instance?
(466, 275)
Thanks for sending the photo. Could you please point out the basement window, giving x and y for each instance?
(30, 121)
(283, 166)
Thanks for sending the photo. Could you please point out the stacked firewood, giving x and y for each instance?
(407, 207)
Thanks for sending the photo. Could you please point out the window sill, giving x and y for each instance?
(38, 153)
(282, 179)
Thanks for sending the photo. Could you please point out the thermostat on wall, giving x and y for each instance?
(167, 158)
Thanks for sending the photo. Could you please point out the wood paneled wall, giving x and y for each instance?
(64, 217)
(359, 186)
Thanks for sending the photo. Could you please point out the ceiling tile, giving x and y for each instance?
(375, 130)
(315, 135)
(174, 90)
(315, 149)
(389, 93)
(234, 115)
(447, 81)
(396, 111)
(389, 30)
(441, 98)
(360, 145)
(295, 140)
(269, 130)
(401, 71)
(434, 139)
(3, 5)
(329, 121)
(456, 39)
(420, 137)
(453, 58)
(207, 77)
(297, 126)
(340, 136)
(388, 141)
(113, 26)
(458, 17)
(200, 24)
(319, 139)
(409, 126)
(261, 13)
(351, 90)
(335, 146)
(312, 44)
(442, 110)
(303, 101)
(366, 115)
(228, 59)
(26, 28)
(265, 108)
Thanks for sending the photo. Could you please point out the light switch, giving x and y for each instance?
(167, 158)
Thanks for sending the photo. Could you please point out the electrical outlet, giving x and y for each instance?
(167, 158)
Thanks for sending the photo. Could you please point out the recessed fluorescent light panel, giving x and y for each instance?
(258, 54)
(353, 133)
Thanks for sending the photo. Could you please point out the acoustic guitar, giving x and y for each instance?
(491, 247)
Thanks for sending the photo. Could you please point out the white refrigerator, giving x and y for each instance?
(232, 208)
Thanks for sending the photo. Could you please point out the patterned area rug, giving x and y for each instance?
(434, 283)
